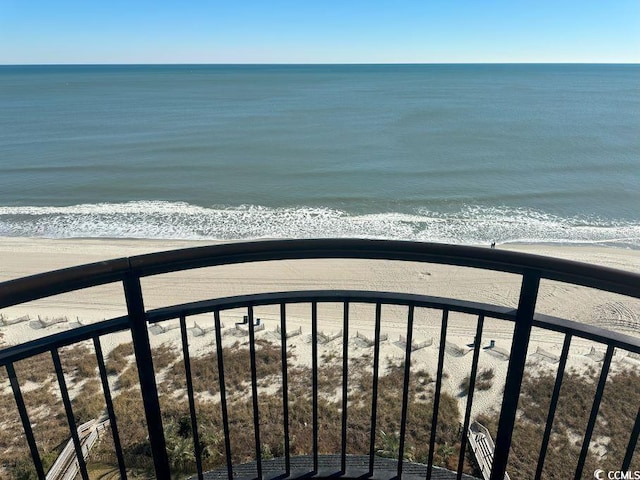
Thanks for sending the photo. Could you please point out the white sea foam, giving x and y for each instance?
(174, 220)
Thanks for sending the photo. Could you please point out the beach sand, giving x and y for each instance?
(21, 257)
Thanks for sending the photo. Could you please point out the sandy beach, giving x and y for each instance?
(20, 257)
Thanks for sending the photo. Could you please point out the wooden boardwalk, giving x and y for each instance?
(482, 447)
(66, 465)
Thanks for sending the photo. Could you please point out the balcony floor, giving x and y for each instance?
(329, 466)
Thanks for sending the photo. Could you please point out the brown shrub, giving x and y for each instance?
(79, 361)
(89, 403)
(119, 358)
(36, 369)
(129, 378)
(163, 356)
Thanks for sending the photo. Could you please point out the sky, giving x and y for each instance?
(321, 31)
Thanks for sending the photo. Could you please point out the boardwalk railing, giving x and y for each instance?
(66, 466)
(482, 447)
(129, 271)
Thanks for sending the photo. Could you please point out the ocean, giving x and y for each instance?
(446, 153)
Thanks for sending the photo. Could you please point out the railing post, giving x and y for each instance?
(146, 374)
(519, 346)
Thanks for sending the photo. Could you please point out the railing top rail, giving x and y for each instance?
(60, 281)
(21, 290)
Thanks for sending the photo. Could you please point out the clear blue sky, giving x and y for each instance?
(321, 31)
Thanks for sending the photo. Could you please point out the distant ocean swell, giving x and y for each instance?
(173, 220)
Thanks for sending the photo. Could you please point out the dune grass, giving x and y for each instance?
(610, 435)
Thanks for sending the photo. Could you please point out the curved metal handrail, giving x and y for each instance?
(75, 278)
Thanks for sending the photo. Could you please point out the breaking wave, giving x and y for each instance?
(175, 220)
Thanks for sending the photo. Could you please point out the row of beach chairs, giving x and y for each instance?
(323, 338)
(42, 322)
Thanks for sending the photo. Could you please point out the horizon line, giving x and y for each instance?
(306, 64)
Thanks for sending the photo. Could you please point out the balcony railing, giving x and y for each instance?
(129, 271)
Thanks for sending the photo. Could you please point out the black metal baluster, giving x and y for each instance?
(68, 410)
(472, 386)
(254, 392)
(314, 381)
(345, 365)
(594, 411)
(110, 410)
(26, 424)
(285, 388)
(515, 370)
(223, 394)
(374, 398)
(633, 440)
(405, 389)
(436, 399)
(192, 403)
(553, 405)
(146, 375)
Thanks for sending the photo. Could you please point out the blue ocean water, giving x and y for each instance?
(453, 153)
